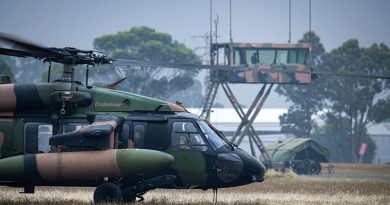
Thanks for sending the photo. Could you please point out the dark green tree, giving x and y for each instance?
(354, 99)
(348, 105)
(299, 119)
(146, 44)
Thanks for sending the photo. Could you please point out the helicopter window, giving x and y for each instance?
(215, 141)
(196, 139)
(139, 134)
(124, 141)
(157, 137)
(198, 142)
(36, 137)
(186, 137)
(184, 142)
(44, 134)
(184, 127)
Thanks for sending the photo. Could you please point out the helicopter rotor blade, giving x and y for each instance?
(67, 55)
(24, 44)
(258, 68)
(16, 53)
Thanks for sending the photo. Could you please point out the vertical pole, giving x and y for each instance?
(211, 22)
(310, 20)
(289, 23)
(231, 36)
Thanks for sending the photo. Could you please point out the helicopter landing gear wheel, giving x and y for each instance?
(107, 192)
(129, 197)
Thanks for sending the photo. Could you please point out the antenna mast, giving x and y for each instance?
(211, 22)
(231, 36)
(309, 21)
(289, 23)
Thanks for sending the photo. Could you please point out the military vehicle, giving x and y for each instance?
(64, 133)
(302, 155)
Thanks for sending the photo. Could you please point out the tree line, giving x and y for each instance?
(335, 110)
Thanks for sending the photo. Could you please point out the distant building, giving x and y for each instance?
(380, 133)
(268, 128)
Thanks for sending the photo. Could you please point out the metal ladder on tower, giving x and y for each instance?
(211, 91)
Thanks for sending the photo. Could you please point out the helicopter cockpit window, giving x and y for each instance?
(184, 127)
(185, 136)
(215, 141)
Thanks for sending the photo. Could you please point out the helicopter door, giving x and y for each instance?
(189, 150)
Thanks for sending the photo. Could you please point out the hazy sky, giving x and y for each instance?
(77, 22)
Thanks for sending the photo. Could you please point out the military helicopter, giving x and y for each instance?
(64, 133)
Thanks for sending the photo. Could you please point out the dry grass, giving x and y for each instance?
(360, 170)
(276, 189)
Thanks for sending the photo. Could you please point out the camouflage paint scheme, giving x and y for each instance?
(66, 134)
(72, 101)
(260, 73)
(193, 173)
(48, 97)
(90, 165)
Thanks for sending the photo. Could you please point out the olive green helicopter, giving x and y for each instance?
(65, 133)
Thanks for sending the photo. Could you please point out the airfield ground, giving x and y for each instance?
(349, 184)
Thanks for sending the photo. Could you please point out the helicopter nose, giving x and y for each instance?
(254, 170)
(229, 167)
(239, 168)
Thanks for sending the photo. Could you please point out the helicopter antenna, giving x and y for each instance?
(49, 73)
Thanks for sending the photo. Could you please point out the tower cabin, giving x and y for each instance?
(261, 63)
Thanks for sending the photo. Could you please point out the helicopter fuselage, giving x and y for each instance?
(48, 120)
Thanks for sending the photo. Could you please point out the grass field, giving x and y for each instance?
(341, 188)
